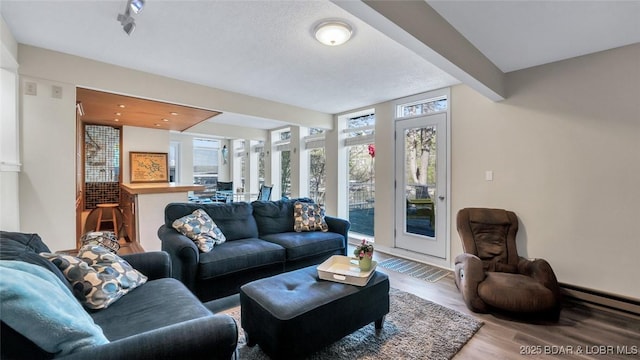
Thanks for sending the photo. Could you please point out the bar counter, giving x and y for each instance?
(143, 206)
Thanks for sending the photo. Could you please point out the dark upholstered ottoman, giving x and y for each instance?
(293, 314)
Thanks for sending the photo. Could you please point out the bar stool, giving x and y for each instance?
(114, 219)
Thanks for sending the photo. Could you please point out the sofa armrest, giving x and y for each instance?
(339, 226)
(153, 264)
(468, 274)
(211, 337)
(540, 270)
(184, 255)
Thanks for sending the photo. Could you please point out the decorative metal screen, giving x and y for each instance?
(102, 165)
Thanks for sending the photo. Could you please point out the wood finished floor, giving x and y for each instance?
(600, 333)
(505, 338)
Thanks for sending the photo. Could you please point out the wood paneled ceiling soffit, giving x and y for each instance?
(103, 108)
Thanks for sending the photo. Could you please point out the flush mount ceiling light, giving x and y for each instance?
(333, 32)
(126, 20)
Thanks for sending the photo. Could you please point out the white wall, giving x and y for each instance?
(83, 72)
(186, 156)
(141, 140)
(9, 151)
(48, 147)
(565, 151)
(9, 131)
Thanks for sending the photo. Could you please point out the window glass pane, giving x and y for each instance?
(285, 173)
(205, 165)
(174, 165)
(238, 154)
(285, 135)
(361, 188)
(422, 107)
(261, 163)
(317, 176)
(420, 183)
(362, 121)
(362, 125)
(281, 165)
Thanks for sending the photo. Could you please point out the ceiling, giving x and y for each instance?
(266, 49)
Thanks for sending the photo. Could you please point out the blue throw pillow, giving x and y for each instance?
(36, 304)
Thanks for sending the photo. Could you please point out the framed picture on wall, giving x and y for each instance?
(149, 167)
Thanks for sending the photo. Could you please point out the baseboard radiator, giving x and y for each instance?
(599, 298)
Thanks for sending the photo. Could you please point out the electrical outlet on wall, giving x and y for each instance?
(30, 88)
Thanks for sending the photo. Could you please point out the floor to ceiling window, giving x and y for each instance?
(259, 148)
(281, 162)
(239, 166)
(360, 141)
(314, 144)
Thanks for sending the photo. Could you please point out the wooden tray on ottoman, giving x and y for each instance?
(341, 269)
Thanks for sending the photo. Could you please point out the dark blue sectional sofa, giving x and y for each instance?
(160, 319)
(260, 242)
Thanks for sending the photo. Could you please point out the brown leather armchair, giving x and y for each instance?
(490, 274)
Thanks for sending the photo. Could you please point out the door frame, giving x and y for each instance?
(446, 261)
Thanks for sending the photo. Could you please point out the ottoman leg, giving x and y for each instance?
(379, 323)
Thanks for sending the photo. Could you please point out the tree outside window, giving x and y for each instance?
(285, 167)
(421, 165)
(317, 176)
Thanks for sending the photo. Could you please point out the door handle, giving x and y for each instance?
(441, 197)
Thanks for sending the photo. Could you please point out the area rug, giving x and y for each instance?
(414, 329)
(415, 269)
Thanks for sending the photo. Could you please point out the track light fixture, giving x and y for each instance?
(128, 23)
(126, 20)
(136, 5)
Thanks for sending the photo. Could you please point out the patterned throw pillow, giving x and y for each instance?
(308, 217)
(98, 277)
(105, 262)
(199, 227)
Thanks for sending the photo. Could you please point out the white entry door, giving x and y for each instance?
(421, 184)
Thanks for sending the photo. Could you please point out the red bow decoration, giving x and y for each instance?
(372, 150)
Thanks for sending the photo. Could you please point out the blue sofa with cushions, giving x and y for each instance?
(158, 319)
(260, 242)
